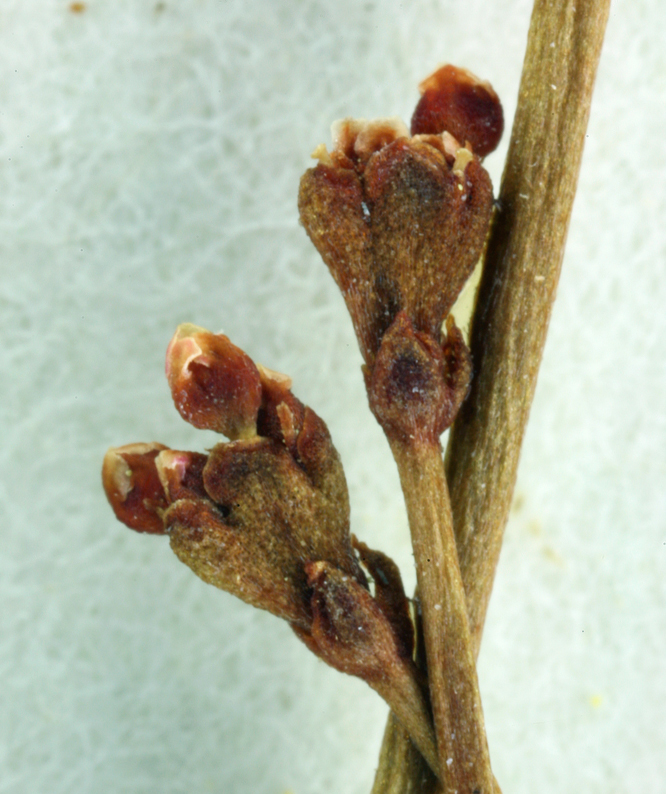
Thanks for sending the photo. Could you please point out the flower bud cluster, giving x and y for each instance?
(265, 516)
(400, 220)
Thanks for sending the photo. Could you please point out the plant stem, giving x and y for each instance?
(401, 768)
(518, 287)
(519, 282)
(412, 709)
(454, 690)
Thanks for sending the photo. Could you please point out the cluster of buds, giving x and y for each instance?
(265, 515)
(400, 217)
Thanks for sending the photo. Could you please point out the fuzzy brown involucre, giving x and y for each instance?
(401, 221)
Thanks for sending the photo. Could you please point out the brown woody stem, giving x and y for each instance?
(517, 291)
(519, 282)
(454, 690)
(401, 768)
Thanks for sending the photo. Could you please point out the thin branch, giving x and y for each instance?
(514, 305)
(401, 768)
(520, 279)
(464, 762)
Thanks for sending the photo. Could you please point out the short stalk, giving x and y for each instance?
(454, 690)
(408, 703)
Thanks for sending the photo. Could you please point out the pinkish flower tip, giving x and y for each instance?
(133, 487)
(214, 384)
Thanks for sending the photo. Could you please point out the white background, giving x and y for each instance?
(149, 161)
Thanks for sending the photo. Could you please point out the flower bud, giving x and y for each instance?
(349, 631)
(133, 486)
(181, 474)
(456, 101)
(214, 384)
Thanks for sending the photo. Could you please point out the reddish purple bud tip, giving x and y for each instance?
(181, 474)
(454, 100)
(133, 486)
(214, 384)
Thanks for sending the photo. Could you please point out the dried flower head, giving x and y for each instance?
(401, 222)
(253, 515)
(265, 517)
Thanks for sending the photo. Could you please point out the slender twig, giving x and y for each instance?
(517, 291)
(410, 706)
(520, 279)
(401, 768)
(454, 690)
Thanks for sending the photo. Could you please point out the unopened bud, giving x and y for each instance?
(181, 474)
(133, 486)
(214, 384)
(456, 101)
(349, 631)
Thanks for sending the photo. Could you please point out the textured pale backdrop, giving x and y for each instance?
(149, 161)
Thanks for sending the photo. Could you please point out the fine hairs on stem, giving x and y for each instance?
(400, 216)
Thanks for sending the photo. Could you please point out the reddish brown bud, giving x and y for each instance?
(181, 474)
(214, 384)
(455, 101)
(133, 487)
(349, 631)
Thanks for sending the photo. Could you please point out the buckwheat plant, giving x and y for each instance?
(401, 217)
